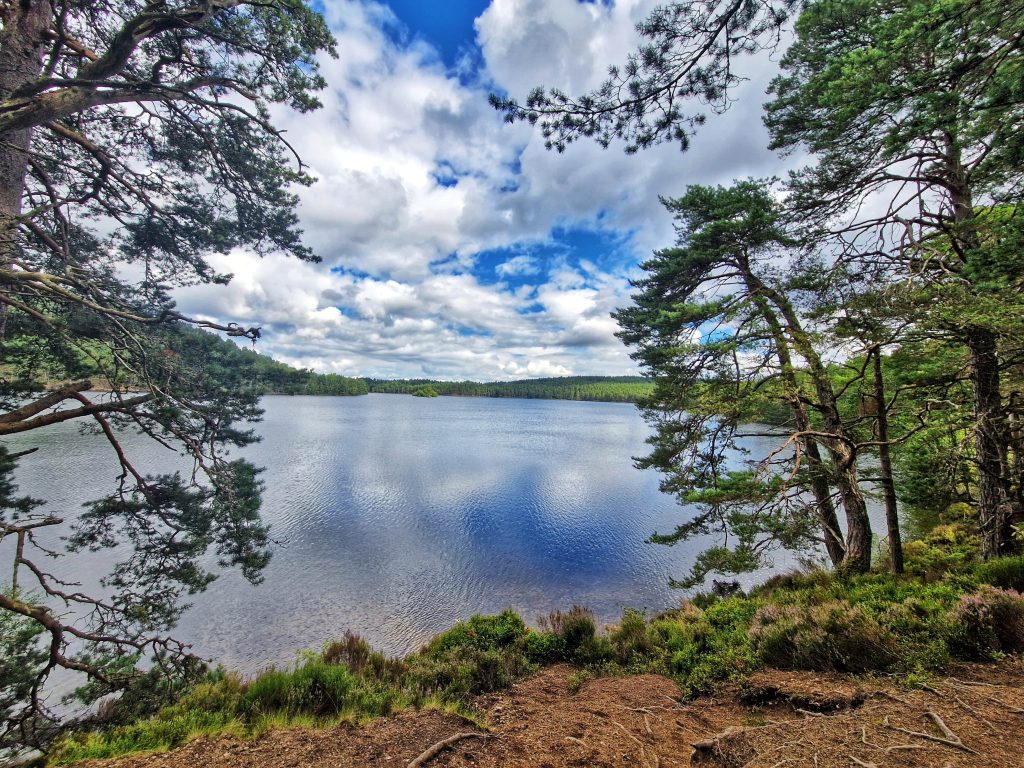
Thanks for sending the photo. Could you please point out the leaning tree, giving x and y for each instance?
(717, 325)
(136, 141)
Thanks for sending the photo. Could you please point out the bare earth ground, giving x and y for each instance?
(973, 718)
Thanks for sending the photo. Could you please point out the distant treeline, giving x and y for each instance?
(617, 389)
(267, 376)
(274, 378)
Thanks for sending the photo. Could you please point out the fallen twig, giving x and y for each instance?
(433, 751)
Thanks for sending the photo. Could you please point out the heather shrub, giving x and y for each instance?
(480, 632)
(705, 648)
(359, 657)
(988, 622)
(831, 636)
(630, 638)
(352, 651)
(543, 647)
(460, 672)
(577, 631)
(314, 688)
(793, 581)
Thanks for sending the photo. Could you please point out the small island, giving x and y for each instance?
(425, 391)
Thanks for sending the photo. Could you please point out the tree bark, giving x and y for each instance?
(22, 45)
(892, 519)
(990, 423)
(989, 441)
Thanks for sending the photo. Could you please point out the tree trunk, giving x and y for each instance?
(824, 509)
(1015, 463)
(822, 489)
(989, 443)
(990, 424)
(22, 44)
(892, 519)
(842, 450)
(858, 524)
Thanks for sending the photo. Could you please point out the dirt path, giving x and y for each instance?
(973, 719)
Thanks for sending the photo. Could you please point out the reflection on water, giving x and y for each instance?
(397, 516)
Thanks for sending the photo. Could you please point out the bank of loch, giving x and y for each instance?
(917, 670)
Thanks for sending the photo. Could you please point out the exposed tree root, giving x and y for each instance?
(950, 740)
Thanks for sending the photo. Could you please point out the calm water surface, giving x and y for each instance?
(397, 516)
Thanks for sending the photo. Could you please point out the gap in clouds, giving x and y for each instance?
(455, 246)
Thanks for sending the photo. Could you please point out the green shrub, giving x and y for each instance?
(544, 647)
(947, 549)
(792, 582)
(317, 689)
(1003, 572)
(464, 671)
(989, 622)
(831, 636)
(480, 632)
(352, 651)
(877, 593)
(704, 648)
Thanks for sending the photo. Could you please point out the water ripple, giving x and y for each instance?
(398, 516)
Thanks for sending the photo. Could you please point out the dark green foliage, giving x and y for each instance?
(461, 672)
(629, 638)
(919, 106)
(711, 646)
(948, 548)
(484, 653)
(619, 389)
(1003, 572)
(101, 222)
(149, 693)
(315, 688)
(360, 658)
(22, 656)
(425, 391)
(480, 632)
(715, 299)
(267, 376)
(577, 636)
(687, 57)
(543, 648)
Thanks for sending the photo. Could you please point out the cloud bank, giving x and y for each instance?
(454, 245)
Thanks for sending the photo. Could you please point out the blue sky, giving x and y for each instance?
(454, 245)
(448, 26)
